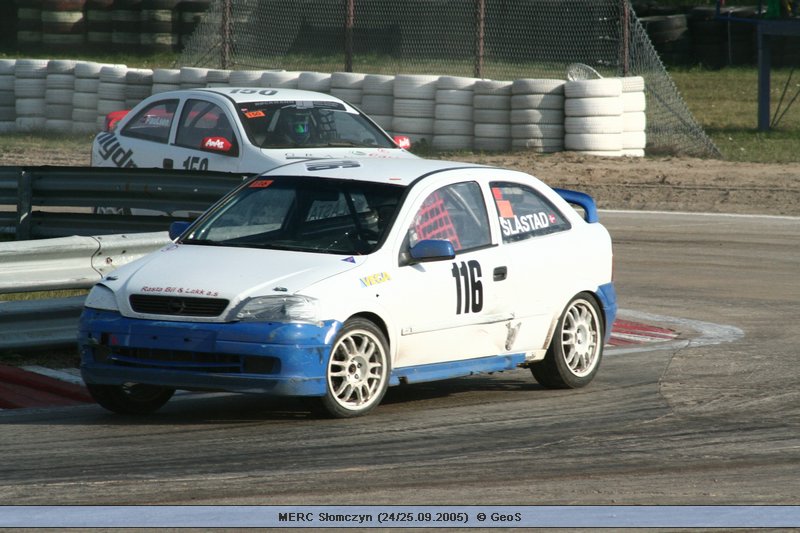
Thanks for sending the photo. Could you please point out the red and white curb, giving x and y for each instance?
(632, 332)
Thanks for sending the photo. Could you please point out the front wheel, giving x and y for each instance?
(574, 354)
(357, 373)
(130, 398)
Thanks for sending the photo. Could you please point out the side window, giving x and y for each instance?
(524, 213)
(456, 213)
(152, 123)
(205, 126)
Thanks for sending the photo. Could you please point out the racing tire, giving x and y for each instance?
(575, 352)
(131, 398)
(537, 86)
(358, 369)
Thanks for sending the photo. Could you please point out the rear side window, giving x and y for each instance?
(153, 123)
(456, 213)
(202, 122)
(524, 213)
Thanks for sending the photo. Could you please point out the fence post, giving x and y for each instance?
(480, 19)
(349, 22)
(225, 31)
(626, 35)
(24, 205)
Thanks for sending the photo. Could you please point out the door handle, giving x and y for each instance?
(500, 273)
(168, 164)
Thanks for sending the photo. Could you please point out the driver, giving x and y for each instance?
(296, 125)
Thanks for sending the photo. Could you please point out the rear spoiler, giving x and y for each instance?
(582, 200)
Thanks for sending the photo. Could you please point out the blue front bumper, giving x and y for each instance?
(275, 358)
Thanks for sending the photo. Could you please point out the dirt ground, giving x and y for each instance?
(650, 183)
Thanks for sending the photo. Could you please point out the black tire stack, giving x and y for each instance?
(670, 37)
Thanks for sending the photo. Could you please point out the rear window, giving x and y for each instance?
(524, 213)
(153, 123)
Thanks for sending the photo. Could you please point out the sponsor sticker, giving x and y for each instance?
(261, 184)
(375, 279)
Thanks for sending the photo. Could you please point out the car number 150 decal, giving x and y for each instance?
(469, 288)
(196, 163)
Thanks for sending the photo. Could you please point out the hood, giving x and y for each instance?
(218, 272)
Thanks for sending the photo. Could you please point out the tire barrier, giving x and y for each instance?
(604, 116)
(537, 115)
(64, 23)
(29, 23)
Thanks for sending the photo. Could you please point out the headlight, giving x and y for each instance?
(278, 309)
(101, 297)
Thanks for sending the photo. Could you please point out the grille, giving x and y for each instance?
(177, 305)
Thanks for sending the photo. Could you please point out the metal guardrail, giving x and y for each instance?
(78, 246)
(85, 188)
(52, 264)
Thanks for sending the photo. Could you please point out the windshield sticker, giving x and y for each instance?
(261, 184)
(505, 209)
(375, 279)
(526, 223)
(255, 114)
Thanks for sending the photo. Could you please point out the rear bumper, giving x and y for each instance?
(608, 300)
(274, 358)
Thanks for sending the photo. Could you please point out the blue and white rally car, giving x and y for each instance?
(335, 279)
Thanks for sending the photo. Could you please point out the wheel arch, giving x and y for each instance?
(557, 315)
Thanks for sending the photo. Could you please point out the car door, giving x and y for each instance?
(534, 241)
(204, 139)
(142, 142)
(450, 309)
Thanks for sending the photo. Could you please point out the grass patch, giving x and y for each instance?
(42, 295)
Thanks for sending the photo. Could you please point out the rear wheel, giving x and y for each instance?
(357, 373)
(575, 352)
(131, 398)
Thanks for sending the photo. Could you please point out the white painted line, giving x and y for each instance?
(687, 213)
(70, 375)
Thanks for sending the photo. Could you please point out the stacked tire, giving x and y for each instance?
(314, 81)
(193, 77)
(492, 115)
(30, 87)
(59, 94)
(377, 99)
(191, 13)
(670, 37)
(537, 115)
(593, 116)
(138, 86)
(284, 79)
(63, 23)
(111, 91)
(166, 79)
(126, 24)
(454, 127)
(246, 78)
(159, 21)
(634, 119)
(84, 100)
(99, 23)
(218, 78)
(8, 111)
(414, 107)
(348, 86)
(29, 23)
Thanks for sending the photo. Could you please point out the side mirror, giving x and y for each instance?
(432, 250)
(217, 144)
(402, 141)
(176, 229)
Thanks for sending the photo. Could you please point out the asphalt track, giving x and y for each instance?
(710, 416)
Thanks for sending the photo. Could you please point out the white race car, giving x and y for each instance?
(239, 129)
(335, 279)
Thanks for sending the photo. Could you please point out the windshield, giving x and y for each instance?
(309, 124)
(302, 214)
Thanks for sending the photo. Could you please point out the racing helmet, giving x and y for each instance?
(298, 125)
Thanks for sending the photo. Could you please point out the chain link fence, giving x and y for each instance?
(491, 39)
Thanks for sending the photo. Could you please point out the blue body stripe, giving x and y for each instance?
(608, 300)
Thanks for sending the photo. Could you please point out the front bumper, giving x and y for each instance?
(284, 359)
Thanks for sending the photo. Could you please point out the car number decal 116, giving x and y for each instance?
(469, 288)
